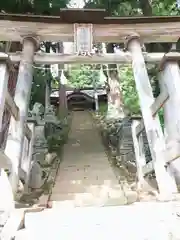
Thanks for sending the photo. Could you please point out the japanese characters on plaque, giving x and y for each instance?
(83, 39)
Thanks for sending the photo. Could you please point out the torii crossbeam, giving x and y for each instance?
(13, 27)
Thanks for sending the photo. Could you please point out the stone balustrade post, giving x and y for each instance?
(16, 132)
(170, 79)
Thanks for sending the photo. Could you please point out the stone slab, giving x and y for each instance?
(139, 221)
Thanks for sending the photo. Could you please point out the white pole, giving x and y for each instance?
(96, 101)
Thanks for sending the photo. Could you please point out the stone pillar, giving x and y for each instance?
(62, 95)
(22, 97)
(165, 180)
(170, 78)
(4, 76)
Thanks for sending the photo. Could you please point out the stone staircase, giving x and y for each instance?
(85, 177)
(89, 202)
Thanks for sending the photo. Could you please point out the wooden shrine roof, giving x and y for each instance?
(89, 92)
(106, 29)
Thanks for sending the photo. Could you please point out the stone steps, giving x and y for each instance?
(85, 171)
(89, 200)
(89, 203)
(140, 221)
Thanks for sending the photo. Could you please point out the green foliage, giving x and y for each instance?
(44, 7)
(55, 135)
(135, 8)
(83, 76)
(38, 87)
(102, 108)
(165, 8)
(129, 92)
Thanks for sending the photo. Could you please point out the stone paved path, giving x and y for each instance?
(85, 176)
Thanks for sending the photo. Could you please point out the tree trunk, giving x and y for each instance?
(62, 87)
(48, 79)
(115, 101)
(146, 7)
(47, 97)
(153, 47)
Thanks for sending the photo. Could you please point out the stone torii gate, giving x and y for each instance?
(73, 25)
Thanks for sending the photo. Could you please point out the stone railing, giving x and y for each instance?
(118, 140)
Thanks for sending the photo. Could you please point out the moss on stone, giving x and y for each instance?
(56, 134)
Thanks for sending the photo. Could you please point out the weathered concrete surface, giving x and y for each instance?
(138, 221)
(85, 177)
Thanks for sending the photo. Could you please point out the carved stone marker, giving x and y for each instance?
(35, 180)
(50, 115)
(38, 110)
